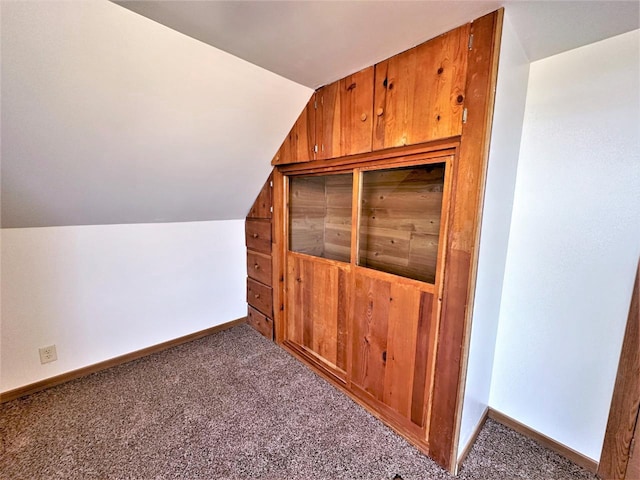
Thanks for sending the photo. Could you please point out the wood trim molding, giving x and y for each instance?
(462, 242)
(112, 362)
(411, 153)
(547, 442)
(617, 448)
(474, 436)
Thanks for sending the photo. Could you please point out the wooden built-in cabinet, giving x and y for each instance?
(258, 239)
(375, 231)
(361, 275)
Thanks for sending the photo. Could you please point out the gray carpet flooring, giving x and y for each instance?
(231, 406)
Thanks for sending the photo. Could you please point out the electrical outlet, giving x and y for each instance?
(48, 354)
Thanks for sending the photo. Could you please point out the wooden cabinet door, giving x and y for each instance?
(344, 122)
(419, 94)
(391, 344)
(299, 146)
(317, 304)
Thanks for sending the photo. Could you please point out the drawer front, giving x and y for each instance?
(258, 235)
(260, 297)
(259, 267)
(260, 322)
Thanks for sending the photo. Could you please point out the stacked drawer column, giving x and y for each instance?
(258, 229)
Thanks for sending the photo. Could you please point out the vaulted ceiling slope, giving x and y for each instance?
(109, 117)
(317, 42)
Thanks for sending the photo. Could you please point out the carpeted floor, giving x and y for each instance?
(231, 406)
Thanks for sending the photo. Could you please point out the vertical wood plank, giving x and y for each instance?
(625, 404)
(305, 283)
(356, 112)
(633, 467)
(278, 265)
(328, 121)
(404, 304)
(344, 120)
(261, 207)
(304, 131)
(344, 304)
(294, 300)
(419, 393)
(371, 314)
(463, 235)
(324, 311)
(299, 144)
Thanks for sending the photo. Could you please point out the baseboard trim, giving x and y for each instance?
(472, 440)
(576, 457)
(112, 362)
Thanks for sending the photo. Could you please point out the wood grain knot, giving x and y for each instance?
(384, 356)
(351, 87)
(440, 70)
(380, 111)
(460, 99)
(384, 83)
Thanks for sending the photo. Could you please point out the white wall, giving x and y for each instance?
(574, 243)
(110, 118)
(102, 291)
(511, 92)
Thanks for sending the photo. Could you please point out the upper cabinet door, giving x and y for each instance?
(299, 146)
(344, 117)
(419, 94)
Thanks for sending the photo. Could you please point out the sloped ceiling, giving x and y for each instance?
(109, 117)
(317, 42)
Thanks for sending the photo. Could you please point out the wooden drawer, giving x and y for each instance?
(260, 322)
(258, 235)
(260, 297)
(259, 267)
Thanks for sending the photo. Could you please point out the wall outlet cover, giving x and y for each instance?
(48, 354)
